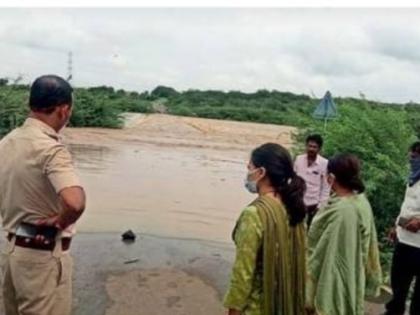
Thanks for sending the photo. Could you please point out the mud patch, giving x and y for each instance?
(160, 291)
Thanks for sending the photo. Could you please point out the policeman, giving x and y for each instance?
(41, 198)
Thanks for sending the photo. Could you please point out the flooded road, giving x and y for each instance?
(167, 176)
(161, 191)
(178, 183)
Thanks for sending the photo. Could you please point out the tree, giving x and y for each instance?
(164, 91)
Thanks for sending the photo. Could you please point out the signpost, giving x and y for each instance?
(326, 110)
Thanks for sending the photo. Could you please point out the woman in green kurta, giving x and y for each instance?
(268, 275)
(343, 260)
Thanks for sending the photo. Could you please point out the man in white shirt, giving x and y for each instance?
(406, 260)
(312, 167)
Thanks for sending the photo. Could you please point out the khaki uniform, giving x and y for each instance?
(34, 168)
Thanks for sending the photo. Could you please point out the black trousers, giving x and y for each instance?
(310, 213)
(405, 269)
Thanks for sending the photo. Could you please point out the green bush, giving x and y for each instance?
(163, 91)
(13, 108)
(380, 137)
(94, 111)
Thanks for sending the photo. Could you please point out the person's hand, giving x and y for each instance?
(234, 312)
(51, 221)
(392, 235)
(413, 225)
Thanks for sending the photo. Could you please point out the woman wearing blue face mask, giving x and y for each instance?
(268, 275)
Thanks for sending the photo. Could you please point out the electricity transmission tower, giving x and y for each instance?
(70, 67)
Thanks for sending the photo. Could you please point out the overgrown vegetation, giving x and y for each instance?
(378, 133)
(12, 109)
(380, 137)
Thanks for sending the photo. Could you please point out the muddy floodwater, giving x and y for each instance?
(167, 176)
(162, 191)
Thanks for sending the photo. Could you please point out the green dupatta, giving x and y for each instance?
(284, 260)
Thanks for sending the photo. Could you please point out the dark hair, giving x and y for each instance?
(415, 147)
(48, 92)
(346, 169)
(279, 169)
(315, 138)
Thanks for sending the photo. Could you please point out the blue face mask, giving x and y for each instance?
(251, 185)
(414, 171)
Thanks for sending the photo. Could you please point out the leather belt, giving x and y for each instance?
(27, 242)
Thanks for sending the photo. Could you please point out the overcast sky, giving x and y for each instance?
(348, 51)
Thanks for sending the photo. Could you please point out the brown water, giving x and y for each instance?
(166, 175)
(181, 192)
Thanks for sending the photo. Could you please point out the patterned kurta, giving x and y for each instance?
(245, 290)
